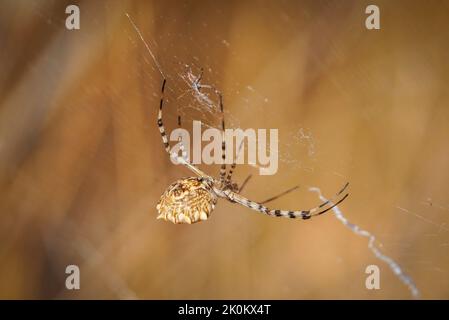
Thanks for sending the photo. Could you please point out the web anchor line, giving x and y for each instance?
(394, 266)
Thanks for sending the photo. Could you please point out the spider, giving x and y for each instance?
(190, 200)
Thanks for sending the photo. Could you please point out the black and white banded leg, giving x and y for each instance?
(180, 159)
(303, 214)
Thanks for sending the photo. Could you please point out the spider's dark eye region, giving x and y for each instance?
(187, 200)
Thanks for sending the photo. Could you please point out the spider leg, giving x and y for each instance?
(304, 214)
(160, 124)
(183, 160)
(234, 164)
(183, 151)
(198, 86)
(280, 195)
(223, 142)
(245, 182)
(186, 163)
(231, 171)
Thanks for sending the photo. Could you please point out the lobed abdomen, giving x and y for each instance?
(186, 201)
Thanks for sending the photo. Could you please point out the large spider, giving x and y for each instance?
(193, 199)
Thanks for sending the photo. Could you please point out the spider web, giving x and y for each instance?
(196, 100)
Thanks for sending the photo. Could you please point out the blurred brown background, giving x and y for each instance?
(82, 164)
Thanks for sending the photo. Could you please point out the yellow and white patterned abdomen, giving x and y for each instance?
(186, 201)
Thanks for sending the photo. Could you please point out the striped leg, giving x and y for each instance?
(223, 143)
(231, 171)
(183, 151)
(198, 86)
(304, 214)
(174, 155)
(160, 124)
(186, 163)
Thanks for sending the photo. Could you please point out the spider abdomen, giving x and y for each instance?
(187, 200)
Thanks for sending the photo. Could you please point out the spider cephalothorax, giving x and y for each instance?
(193, 199)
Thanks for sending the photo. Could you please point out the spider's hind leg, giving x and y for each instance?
(303, 214)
